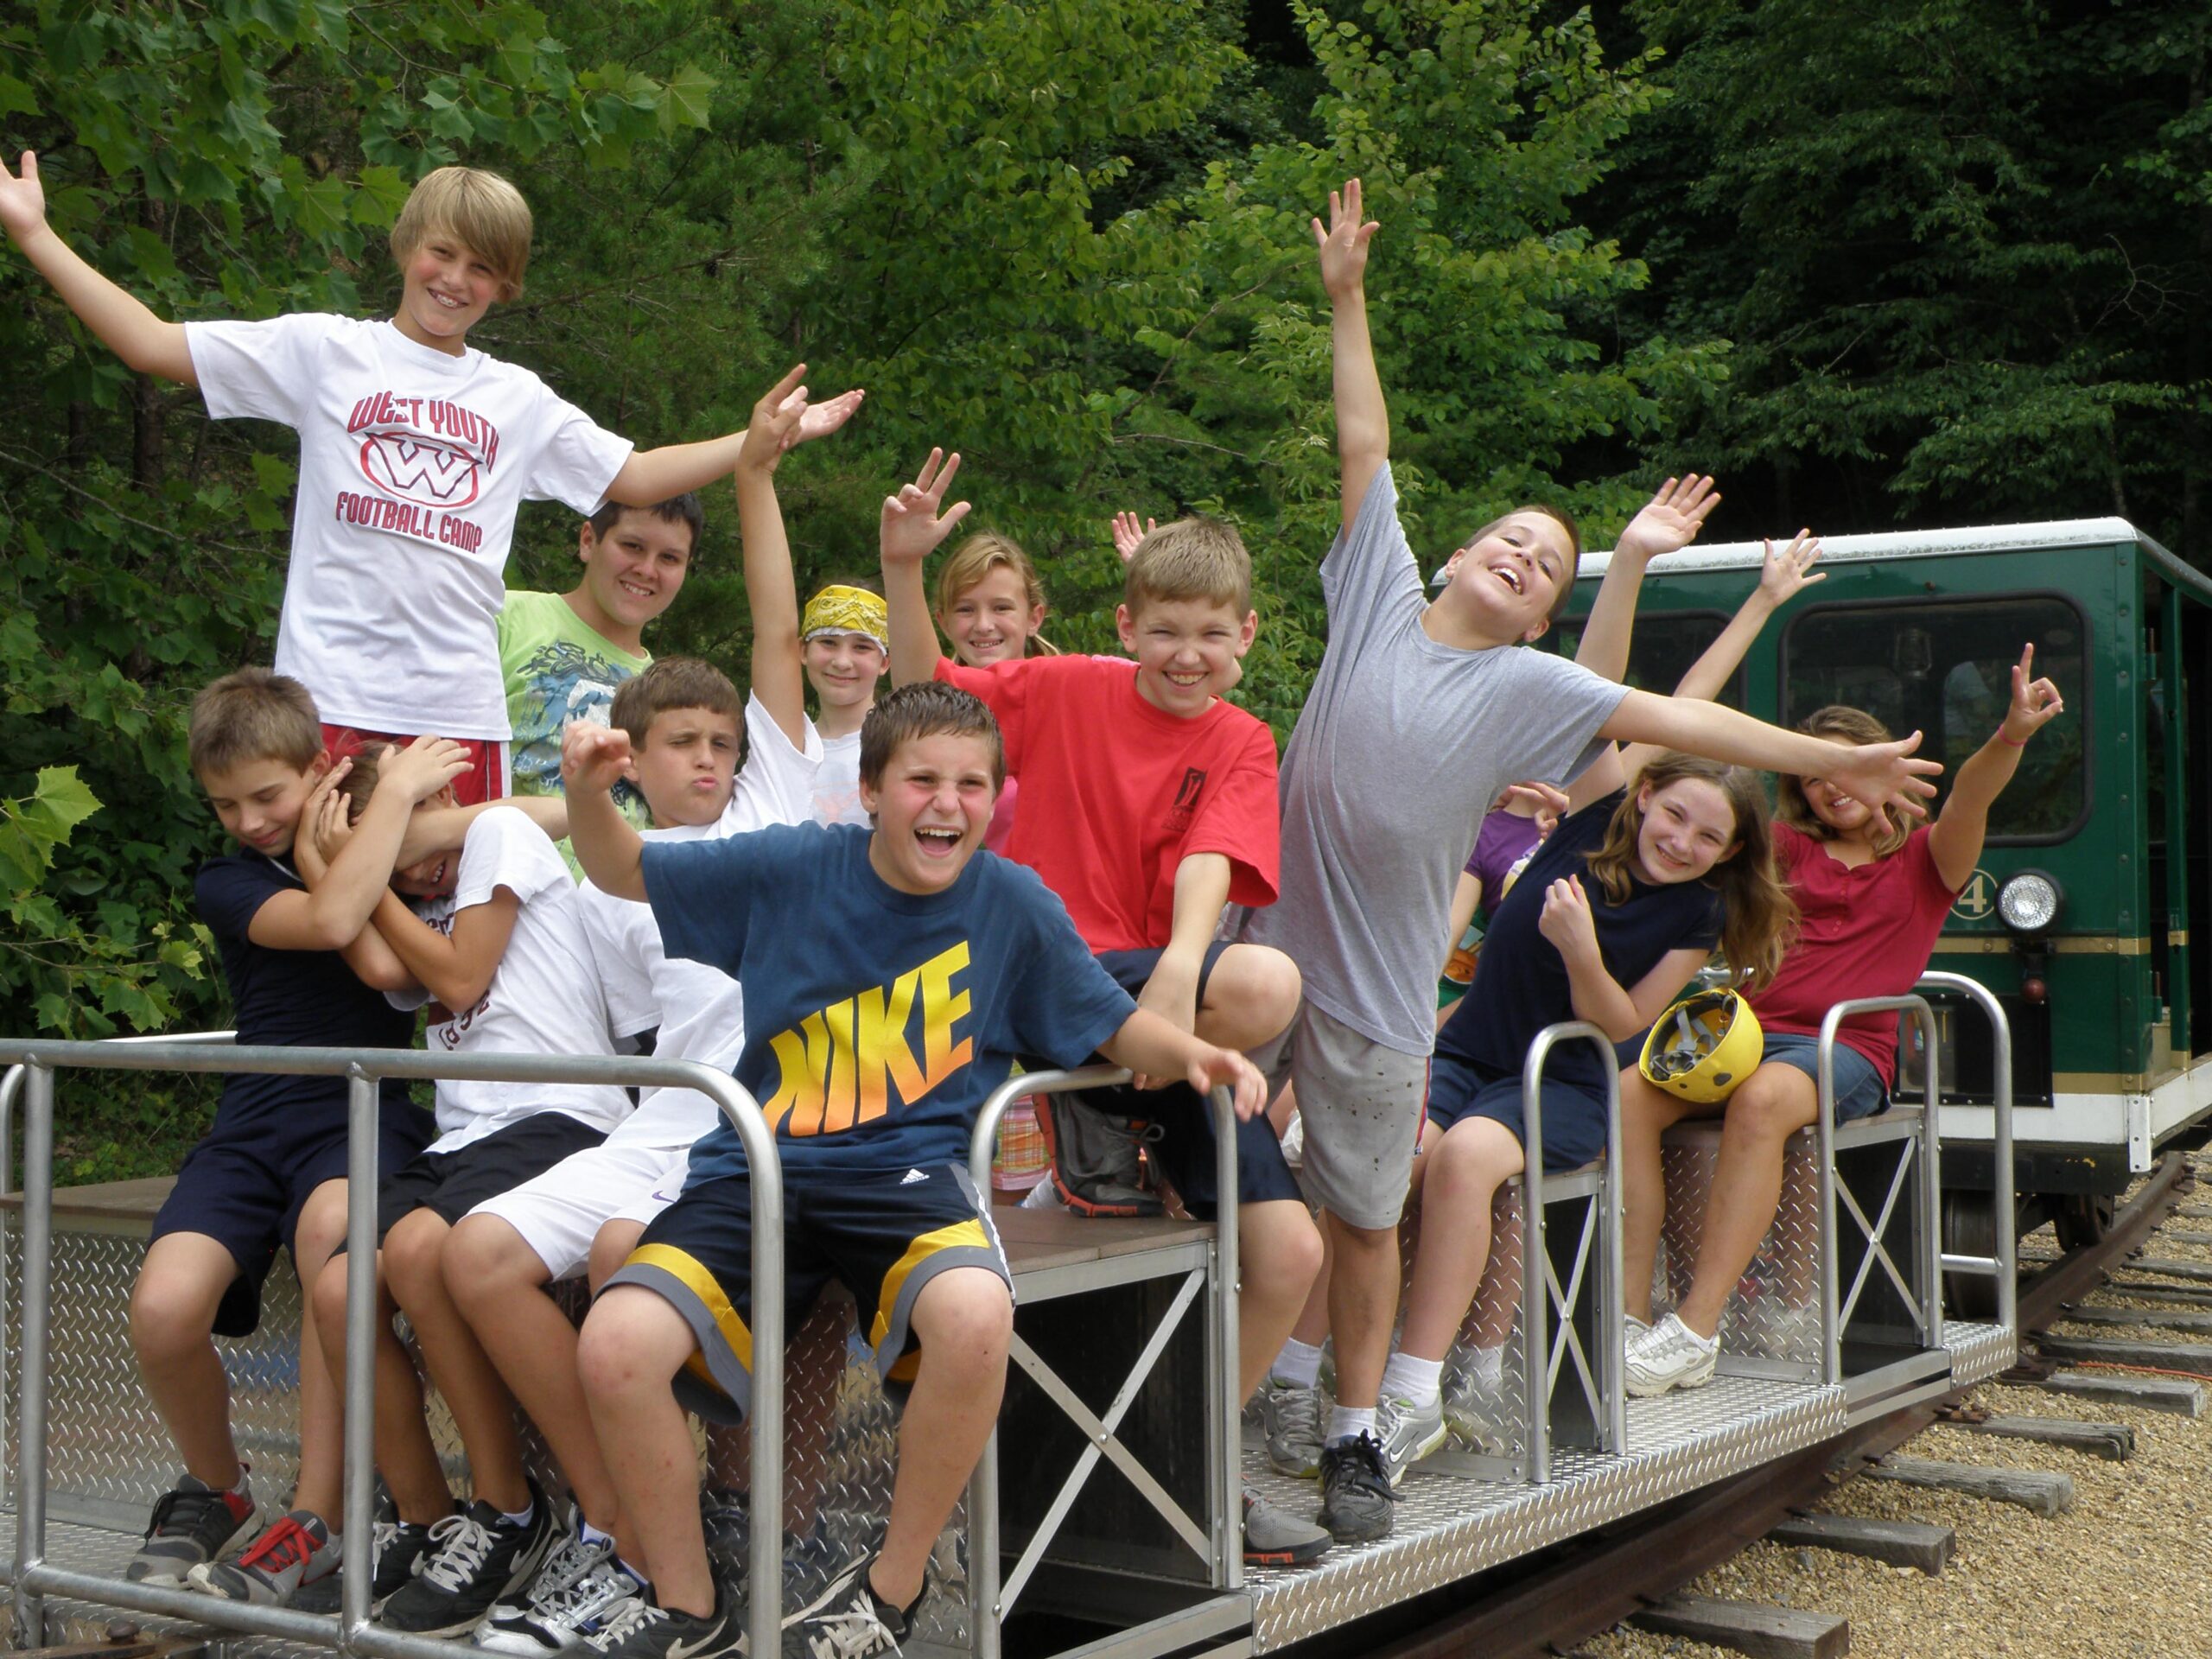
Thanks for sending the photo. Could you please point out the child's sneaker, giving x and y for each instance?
(1274, 1537)
(1670, 1356)
(845, 1621)
(1408, 1433)
(192, 1524)
(478, 1560)
(576, 1593)
(293, 1549)
(1290, 1417)
(639, 1630)
(1358, 1506)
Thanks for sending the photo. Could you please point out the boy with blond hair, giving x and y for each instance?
(1148, 804)
(1420, 715)
(271, 1170)
(414, 453)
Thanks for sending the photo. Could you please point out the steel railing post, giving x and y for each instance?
(1930, 1239)
(358, 1566)
(38, 1293)
(1535, 1348)
(1612, 1377)
(1824, 1142)
(2004, 1196)
(1229, 1404)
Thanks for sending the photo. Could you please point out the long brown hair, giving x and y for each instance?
(976, 558)
(1843, 724)
(1757, 918)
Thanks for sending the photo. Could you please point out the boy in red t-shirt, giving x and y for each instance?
(1148, 804)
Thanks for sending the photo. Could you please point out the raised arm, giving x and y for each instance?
(1955, 841)
(1782, 576)
(1363, 418)
(348, 869)
(1669, 522)
(121, 321)
(440, 829)
(771, 590)
(651, 476)
(909, 530)
(592, 758)
(1129, 534)
(1879, 774)
(455, 968)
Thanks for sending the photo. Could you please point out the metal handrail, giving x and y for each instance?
(1535, 1348)
(2004, 1198)
(363, 1068)
(1225, 1411)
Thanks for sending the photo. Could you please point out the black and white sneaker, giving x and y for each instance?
(579, 1590)
(477, 1560)
(639, 1630)
(846, 1621)
(192, 1524)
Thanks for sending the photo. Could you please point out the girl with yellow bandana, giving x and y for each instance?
(846, 634)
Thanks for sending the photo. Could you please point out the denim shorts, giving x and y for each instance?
(1858, 1091)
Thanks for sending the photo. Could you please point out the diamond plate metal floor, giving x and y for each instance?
(1449, 1527)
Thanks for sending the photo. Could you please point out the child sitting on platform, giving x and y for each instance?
(965, 961)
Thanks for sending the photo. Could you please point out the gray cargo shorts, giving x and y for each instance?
(1361, 1104)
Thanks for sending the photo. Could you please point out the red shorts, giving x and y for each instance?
(485, 781)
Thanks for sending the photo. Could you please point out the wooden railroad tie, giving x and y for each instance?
(2194, 1272)
(1763, 1632)
(2195, 1212)
(2043, 1494)
(1898, 1543)
(2187, 1238)
(2177, 1395)
(2194, 1357)
(2190, 1320)
(2114, 1442)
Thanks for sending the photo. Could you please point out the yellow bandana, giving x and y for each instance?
(840, 609)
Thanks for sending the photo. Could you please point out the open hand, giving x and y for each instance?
(1784, 576)
(2036, 703)
(911, 527)
(1343, 244)
(1671, 519)
(1127, 537)
(1881, 775)
(1215, 1068)
(592, 757)
(311, 850)
(1549, 800)
(820, 420)
(423, 768)
(775, 424)
(1566, 920)
(22, 198)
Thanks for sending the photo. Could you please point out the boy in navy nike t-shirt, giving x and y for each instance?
(891, 976)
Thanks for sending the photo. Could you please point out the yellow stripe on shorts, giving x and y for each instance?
(702, 1284)
(961, 1235)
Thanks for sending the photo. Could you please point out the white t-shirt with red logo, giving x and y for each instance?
(412, 463)
(545, 997)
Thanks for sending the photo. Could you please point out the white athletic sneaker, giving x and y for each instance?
(1408, 1433)
(1670, 1356)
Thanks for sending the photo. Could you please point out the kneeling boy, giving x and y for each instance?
(891, 976)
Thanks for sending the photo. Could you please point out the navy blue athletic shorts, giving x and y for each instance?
(883, 1234)
(1575, 1119)
(244, 1184)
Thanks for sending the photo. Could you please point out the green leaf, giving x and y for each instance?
(685, 99)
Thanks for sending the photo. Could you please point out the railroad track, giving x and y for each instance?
(1603, 1578)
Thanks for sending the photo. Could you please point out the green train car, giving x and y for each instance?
(2093, 882)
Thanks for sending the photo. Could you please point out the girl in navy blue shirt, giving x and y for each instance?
(1612, 916)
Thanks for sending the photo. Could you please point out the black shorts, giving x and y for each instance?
(1574, 1117)
(882, 1234)
(244, 1184)
(453, 1183)
(1185, 1145)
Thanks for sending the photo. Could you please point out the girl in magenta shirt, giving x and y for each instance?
(1872, 893)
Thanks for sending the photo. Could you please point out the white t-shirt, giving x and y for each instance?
(838, 783)
(412, 463)
(545, 997)
(700, 1010)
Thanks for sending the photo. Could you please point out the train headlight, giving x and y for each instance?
(2028, 902)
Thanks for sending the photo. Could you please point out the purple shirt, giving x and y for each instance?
(1498, 847)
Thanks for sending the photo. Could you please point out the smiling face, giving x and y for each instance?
(1505, 583)
(1186, 650)
(687, 766)
(1689, 827)
(1848, 818)
(631, 573)
(446, 287)
(931, 805)
(258, 802)
(991, 622)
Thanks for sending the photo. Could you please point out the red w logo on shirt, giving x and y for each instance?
(420, 470)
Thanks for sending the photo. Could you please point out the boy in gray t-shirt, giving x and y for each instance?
(1416, 722)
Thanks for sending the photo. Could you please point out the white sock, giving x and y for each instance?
(1298, 1364)
(1489, 1368)
(1349, 1423)
(590, 1534)
(521, 1517)
(1408, 1377)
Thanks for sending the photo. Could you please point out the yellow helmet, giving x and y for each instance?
(1703, 1047)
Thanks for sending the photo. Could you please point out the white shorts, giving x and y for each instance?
(561, 1211)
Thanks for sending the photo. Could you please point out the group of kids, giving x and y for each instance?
(854, 915)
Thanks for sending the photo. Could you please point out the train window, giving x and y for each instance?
(1943, 667)
(1663, 649)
